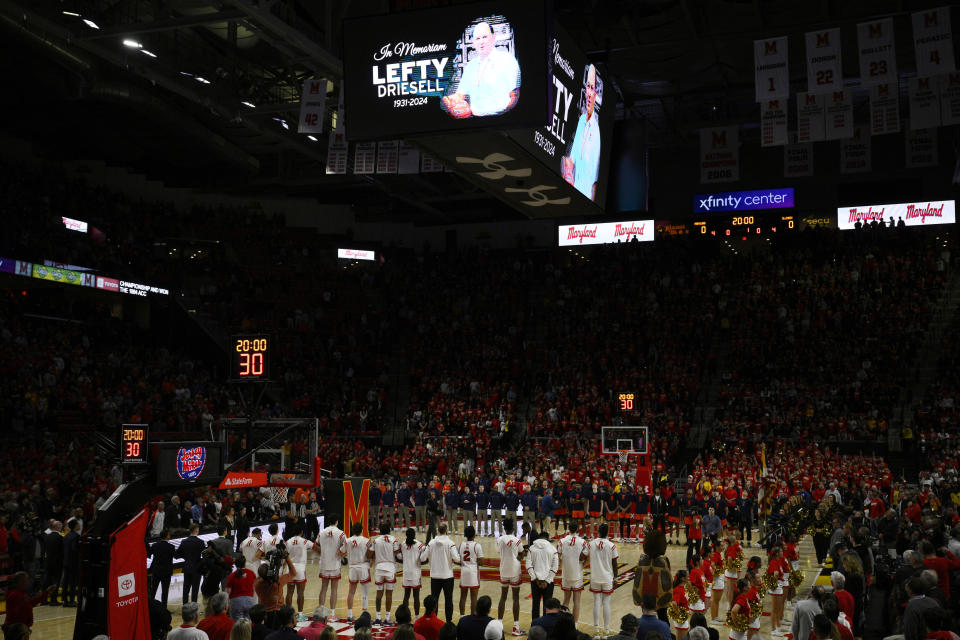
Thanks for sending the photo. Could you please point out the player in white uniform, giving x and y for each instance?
(252, 549)
(297, 548)
(383, 551)
(603, 571)
(573, 551)
(470, 552)
(331, 544)
(412, 554)
(359, 568)
(270, 542)
(511, 550)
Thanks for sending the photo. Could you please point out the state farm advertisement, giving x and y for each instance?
(446, 69)
(913, 214)
(606, 233)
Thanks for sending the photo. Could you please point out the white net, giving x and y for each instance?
(623, 457)
(280, 495)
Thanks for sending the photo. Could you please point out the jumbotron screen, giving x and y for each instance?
(481, 65)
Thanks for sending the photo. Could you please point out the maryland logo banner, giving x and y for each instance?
(348, 499)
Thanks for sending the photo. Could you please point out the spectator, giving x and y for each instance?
(429, 625)
(317, 624)
(628, 628)
(472, 625)
(217, 624)
(287, 622)
(649, 622)
(551, 613)
(917, 605)
(190, 614)
(19, 604)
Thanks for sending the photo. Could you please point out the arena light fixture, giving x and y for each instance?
(70, 13)
(147, 52)
(248, 104)
(133, 44)
(202, 80)
(312, 138)
(90, 23)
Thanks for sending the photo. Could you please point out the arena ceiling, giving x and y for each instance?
(203, 99)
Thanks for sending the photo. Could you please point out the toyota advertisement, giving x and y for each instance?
(454, 68)
(921, 213)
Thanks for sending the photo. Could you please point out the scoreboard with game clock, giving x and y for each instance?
(626, 401)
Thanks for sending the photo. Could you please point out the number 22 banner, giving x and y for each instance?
(824, 68)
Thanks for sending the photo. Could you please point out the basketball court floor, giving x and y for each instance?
(56, 623)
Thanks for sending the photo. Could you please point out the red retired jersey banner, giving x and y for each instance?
(349, 501)
(128, 615)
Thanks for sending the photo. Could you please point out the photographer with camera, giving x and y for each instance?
(269, 585)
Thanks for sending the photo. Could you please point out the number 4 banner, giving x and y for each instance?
(824, 68)
(933, 42)
(312, 104)
(878, 54)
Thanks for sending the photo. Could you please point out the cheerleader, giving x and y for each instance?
(679, 609)
(738, 618)
(777, 571)
(732, 561)
(719, 582)
(755, 598)
(792, 557)
(697, 592)
(706, 566)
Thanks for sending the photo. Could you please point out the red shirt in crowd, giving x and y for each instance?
(20, 607)
(312, 631)
(845, 601)
(217, 626)
(943, 567)
(428, 626)
(242, 586)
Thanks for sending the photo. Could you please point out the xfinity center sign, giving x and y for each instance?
(743, 200)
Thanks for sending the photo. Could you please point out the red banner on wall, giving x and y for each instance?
(128, 614)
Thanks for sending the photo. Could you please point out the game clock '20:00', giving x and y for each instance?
(251, 357)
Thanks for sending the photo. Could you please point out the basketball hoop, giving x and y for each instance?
(279, 494)
(623, 455)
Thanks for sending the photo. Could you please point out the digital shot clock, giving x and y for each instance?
(250, 356)
(134, 441)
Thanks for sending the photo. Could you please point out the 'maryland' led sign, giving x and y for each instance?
(743, 200)
(914, 214)
(356, 254)
(605, 232)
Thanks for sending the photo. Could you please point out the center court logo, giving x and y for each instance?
(126, 585)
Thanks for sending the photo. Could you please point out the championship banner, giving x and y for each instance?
(409, 159)
(933, 42)
(312, 105)
(924, 96)
(797, 159)
(347, 500)
(950, 99)
(824, 68)
(839, 115)
(884, 109)
(127, 613)
(878, 54)
(771, 69)
(773, 123)
(855, 152)
(337, 144)
(811, 118)
(387, 155)
(365, 158)
(921, 148)
(720, 154)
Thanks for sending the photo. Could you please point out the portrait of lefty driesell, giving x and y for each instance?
(488, 76)
(581, 164)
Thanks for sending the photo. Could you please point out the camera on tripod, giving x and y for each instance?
(275, 558)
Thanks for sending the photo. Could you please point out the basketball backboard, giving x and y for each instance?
(284, 448)
(618, 440)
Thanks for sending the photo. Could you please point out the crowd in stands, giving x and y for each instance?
(514, 359)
